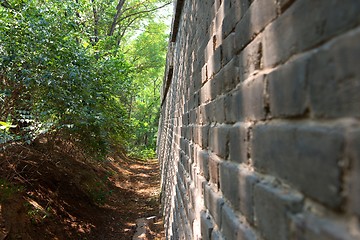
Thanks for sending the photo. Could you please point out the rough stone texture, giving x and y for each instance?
(308, 149)
(232, 228)
(259, 129)
(355, 176)
(238, 146)
(287, 89)
(207, 225)
(272, 206)
(334, 78)
(310, 227)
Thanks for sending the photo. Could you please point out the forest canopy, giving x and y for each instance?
(85, 71)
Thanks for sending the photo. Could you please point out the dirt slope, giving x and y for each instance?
(52, 191)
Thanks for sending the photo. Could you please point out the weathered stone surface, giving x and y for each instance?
(254, 99)
(260, 115)
(258, 16)
(287, 89)
(296, 152)
(310, 227)
(238, 143)
(206, 226)
(334, 78)
(272, 206)
(354, 152)
(232, 228)
(214, 203)
(219, 140)
(324, 20)
(237, 186)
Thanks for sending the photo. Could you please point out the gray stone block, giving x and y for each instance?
(238, 143)
(307, 226)
(230, 75)
(231, 227)
(234, 106)
(216, 235)
(207, 225)
(205, 92)
(272, 206)
(284, 4)
(354, 188)
(228, 48)
(203, 163)
(218, 140)
(334, 78)
(295, 152)
(214, 203)
(237, 187)
(217, 87)
(214, 163)
(219, 110)
(287, 89)
(253, 93)
(324, 20)
(257, 17)
(250, 60)
(204, 136)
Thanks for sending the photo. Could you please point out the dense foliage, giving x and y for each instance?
(89, 71)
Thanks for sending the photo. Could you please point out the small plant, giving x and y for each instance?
(36, 212)
(7, 190)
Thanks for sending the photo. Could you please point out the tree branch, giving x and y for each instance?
(116, 17)
(144, 11)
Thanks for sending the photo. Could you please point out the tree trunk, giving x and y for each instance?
(116, 17)
(96, 21)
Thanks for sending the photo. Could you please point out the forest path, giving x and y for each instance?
(52, 192)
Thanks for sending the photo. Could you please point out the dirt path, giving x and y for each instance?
(54, 193)
(135, 195)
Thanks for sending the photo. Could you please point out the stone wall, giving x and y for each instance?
(259, 136)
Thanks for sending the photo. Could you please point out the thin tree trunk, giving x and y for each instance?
(116, 17)
(96, 21)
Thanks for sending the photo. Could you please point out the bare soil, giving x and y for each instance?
(53, 191)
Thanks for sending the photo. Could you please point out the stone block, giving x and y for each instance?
(251, 59)
(238, 143)
(219, 110)
(254, 99)
(284, 4)
(214, 203)
(204, 76)
(204, 136)
(295, 152)
(324, 20)
(310, 227)
(207, 225)
(237, 186)
(234, 106)
(354, 155)
(232, 228)
(203, 163)
(256, 18)
(228, 48)
(210, 112)
(287, 89)
(231, 75)
(272, 207)
(218, 140)
(214, 163)
(217, 86)
(205, 92)
(214, 63)
(216, 235)
(334, 78)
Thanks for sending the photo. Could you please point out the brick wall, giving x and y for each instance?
(259, 136)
